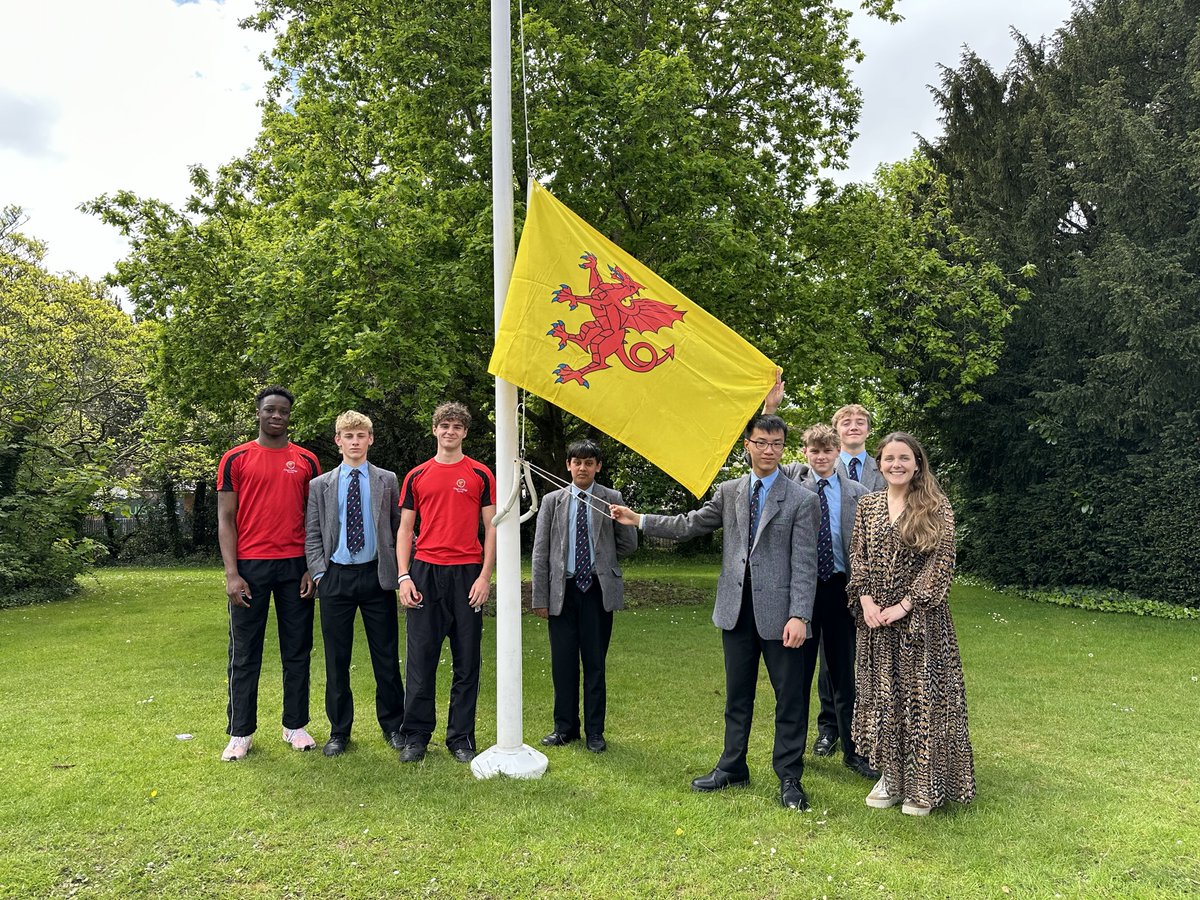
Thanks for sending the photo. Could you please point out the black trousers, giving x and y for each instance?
(833, 632)
(826, 718)
(445, 613)
(787, 668)
(580, 635)
(267, 578)
(343, 591)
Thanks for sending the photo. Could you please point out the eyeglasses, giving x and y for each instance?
(763, 445)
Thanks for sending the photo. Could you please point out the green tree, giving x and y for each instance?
(71, 390)
(1081, 158)
(348, 254)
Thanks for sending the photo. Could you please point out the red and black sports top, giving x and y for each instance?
(272, 489)
(448, 497)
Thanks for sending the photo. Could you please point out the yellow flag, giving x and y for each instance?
(589, 328)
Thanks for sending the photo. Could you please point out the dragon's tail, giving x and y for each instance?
(634, 360)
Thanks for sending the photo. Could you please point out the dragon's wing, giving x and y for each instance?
(651, 315)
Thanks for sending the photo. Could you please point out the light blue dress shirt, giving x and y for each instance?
(862, 463)
(370, 551)
(833, 496)
(572, 514)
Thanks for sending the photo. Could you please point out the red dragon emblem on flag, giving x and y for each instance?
(616, 310)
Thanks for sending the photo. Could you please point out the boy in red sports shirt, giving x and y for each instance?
(262, 489)
(444, 584)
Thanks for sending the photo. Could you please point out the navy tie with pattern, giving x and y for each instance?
(755, 508)
(583, 547)
(824, 536)
(853, 468)
(354, 516)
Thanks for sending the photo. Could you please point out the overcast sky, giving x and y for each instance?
(98, 96)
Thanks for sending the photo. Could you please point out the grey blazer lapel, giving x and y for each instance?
(741, 513)
(872, 467)
(595, 520)
(771, 505)
(563, 526)
(377, 513)
(377, 492)
(329, 510)
(846, 518)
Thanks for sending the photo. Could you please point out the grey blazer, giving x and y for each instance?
(552, 539)
(321, 524)
(851, 491)
(870, 476)
(783, 556)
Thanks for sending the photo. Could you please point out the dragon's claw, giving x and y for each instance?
(565, 373)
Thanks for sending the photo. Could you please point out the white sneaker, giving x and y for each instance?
(915, 808)
(298, 738)
(880, 798)
(237, 748)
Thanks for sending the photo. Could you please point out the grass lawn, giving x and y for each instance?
(1085, 729)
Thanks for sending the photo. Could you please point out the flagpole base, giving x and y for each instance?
(519, 762)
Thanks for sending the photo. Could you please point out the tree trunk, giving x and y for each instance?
(200, 516)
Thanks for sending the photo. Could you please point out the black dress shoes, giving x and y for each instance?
(463, 754)
(596, 743)
(336, 745)
(412, 753)
(395, 740)
(860, 764)
(558, 739)
(791, 794)
(718, 780)
(826, 741)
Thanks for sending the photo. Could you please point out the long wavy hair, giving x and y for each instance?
(920, 526)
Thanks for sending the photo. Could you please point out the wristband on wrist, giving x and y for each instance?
(404, 577)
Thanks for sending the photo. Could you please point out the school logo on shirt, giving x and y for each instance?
(460, 486)
(290, 467)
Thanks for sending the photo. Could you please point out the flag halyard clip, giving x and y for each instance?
(521, 473)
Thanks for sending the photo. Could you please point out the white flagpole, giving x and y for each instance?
(510, 755)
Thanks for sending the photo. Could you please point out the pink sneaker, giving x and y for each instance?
(237, 748)
(298, 738)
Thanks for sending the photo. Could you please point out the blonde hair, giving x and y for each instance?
(352, 420)
(452, 412)
(820, 435)
(920, 526)
(851, 409)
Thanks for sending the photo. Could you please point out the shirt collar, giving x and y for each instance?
(846, 457)
(346, 468)
(766, 482)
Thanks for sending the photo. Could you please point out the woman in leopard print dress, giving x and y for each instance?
(910, 717)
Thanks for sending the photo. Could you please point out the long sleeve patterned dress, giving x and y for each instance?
(910, 716)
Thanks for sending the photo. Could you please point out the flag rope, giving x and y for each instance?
(598, 505)
(524, 91)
